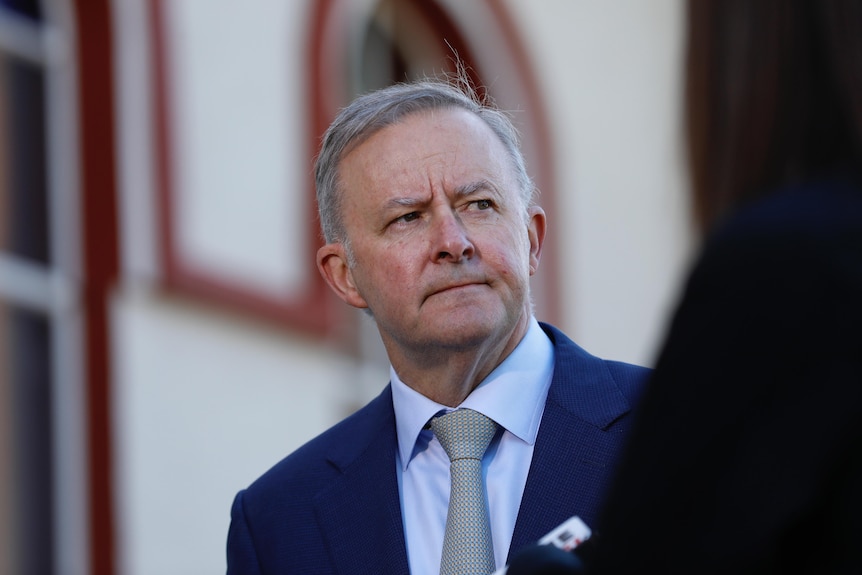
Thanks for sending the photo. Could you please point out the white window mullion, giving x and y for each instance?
(25, 284)
(22, 38)
(69, 398)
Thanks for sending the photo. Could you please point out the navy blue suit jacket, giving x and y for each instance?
(332, 506)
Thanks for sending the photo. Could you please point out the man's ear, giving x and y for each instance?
(536, 232)
(332, 263)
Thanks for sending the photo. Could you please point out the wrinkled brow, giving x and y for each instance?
(465, 190)
(473, 187)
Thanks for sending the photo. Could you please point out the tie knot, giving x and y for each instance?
(464, 433)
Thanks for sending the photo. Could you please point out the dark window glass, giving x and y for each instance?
(382, 61)
(405, 40)
(23, 182)
(28, 8)
(25, 349)
(26, 431)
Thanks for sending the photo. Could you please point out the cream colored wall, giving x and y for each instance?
(205, 400)
(204, 403)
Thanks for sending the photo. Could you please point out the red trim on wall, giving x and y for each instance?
(321, 114)
(309, 310)
(161, 152)
(100, 260)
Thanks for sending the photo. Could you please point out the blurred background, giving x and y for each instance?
(164, 334)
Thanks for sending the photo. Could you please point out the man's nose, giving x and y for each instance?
(451, 241)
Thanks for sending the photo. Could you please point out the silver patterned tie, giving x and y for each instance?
(467, 545)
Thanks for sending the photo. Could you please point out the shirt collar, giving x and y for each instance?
(513, 394)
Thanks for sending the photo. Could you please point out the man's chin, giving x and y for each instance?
(465, 331)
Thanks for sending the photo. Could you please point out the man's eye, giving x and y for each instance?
(484, 204)
(409, 217)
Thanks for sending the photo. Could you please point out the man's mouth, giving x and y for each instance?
(454, 287)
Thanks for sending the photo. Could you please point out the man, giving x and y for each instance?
(430, 226)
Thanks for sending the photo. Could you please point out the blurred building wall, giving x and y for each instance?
(209, 398)
(226, 351)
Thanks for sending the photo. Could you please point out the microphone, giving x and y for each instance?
(554, 553)
(545, 560)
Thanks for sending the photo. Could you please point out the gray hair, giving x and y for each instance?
(371, 112)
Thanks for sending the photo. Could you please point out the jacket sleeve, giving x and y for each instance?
(241, 554)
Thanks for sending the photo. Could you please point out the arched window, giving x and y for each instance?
(233, 228)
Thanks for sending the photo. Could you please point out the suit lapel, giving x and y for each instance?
(575, 449)
(360, 513)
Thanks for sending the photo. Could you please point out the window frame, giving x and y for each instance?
(52, 289)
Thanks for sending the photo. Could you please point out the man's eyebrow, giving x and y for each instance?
(403, 202)
(463, 190)
(473, 187)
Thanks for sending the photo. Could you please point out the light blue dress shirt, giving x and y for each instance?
(514, 396)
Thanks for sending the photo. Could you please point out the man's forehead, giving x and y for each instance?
(456, 136)
(451, 148)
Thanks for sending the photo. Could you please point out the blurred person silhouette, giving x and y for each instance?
(746, 454)
(431, 225)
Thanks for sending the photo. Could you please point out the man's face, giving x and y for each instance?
(443, 244)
